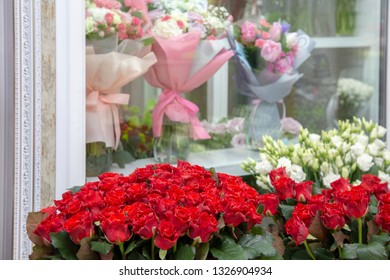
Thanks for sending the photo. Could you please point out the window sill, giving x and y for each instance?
(224, 161)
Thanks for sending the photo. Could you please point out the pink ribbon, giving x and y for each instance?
(111, 100)
(177, 109)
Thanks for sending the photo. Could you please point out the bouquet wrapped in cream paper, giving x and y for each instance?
(109, 67)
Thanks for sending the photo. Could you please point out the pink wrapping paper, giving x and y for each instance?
(106, 74)
(174, 73)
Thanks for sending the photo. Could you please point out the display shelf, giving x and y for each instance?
(345, 42)
(224, 161)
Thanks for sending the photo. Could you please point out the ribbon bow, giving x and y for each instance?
(107, 127)
(177, 109)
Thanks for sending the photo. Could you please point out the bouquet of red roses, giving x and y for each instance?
(344, 222)
(157, 212)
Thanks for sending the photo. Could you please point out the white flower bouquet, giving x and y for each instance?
(350, 151)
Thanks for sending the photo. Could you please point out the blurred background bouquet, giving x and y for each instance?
(190, 44)
(267, 58)
(118, 51)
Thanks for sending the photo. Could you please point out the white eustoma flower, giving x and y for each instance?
(373, 149)
(386, 155)
(379, 161)
(358, 149)
(381, 131)
(331, 177)
(314, 137)
(385, 177)
(365, 162)
(362, 139)
(296, 173)
(284, 162)
(263, 167)
(336, 140)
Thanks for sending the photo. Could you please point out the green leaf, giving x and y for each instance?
(101, 247)
(134, 255)
(185, 252)
(122, 157)
(323, 254)
(85, 252)
(202, 251)
(373, 251)
(257, 230)
(228, 250)
(130, 248)
(350, 251)
(148, 41)
(300, 255)
(256, 246)
(381, 239)
(287, 211)
(64, 244)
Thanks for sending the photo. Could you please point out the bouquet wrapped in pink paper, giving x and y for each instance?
(109, 67)
(189, 49)
(268, 56)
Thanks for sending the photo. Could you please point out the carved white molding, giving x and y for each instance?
(27, 20)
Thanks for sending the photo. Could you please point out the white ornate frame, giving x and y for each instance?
(70, 108)
(27, 119)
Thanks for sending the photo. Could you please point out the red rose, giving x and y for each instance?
(142, 218)
(116, 197)
(166, 235)
(79, 226)
(284, 188)
(297, 229)
(333, 216)
(303, 191)
(271, 203)
(305, 212)
(318, 199)
(355, 201)
(278, 173)
(52, 224)
(116, 228)
(136, 191)
(62, 204)
(91, 197)
(203, 227)
(382, 219)
(384, 199)
(341, 185)
(237, 211)
(210, 203)
(373, 184)
(328, 193)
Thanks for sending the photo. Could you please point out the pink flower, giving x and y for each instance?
(271, 50)
(283, 65)
(109, 17)
(260, 43)
(108, 4)
(289, 125)
(248, 30)
(239, 140)
(275, 31)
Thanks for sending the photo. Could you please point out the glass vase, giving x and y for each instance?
(262, 119)
(174, 142)
(98, 159)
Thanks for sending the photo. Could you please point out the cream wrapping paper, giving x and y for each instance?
(106, 74)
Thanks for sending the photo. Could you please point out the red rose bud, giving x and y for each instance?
(297, 229)
(303, 191)
(142, 218)
(333, 216)
(166, 235)
(116, 229)
(271, 203)
(372, 183)
(284, 188)
(79, 226)
(382, 219)
(278, 173)
(355, 201)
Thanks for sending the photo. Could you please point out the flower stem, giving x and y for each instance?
(360, 230)
(340, 252)
(122, 248)
(308, 250)
(153, 248)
